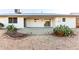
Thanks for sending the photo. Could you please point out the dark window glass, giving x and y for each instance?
(47, 23)
(63, 19)
(35, 20)
(12, 20)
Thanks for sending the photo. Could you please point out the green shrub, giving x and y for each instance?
(11, 28)
(1, 25)
(62, 30)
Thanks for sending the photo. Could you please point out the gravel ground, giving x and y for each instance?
(39, 42)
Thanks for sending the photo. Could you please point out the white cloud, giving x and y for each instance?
(58, 6)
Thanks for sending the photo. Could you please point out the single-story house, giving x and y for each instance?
(24, 20)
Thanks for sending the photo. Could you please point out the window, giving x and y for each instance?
(47, 24)
(35, 20)
(63, 19)
(12, 19)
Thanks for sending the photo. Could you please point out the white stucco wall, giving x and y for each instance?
(38, 23)
(4, 20)
(70, 21)
(53, 22)
(19, 24)
(32, 23)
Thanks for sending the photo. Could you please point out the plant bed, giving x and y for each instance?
(16, 34)
(12, 32)
(1, 25)
(60, 34)
(62, 31)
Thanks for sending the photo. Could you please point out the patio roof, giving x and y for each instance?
(37, 14)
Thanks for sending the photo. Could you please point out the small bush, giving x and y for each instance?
(12, 32)
(1, 25)
(62, 30)
(11, 28)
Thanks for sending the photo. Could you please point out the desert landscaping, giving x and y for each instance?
(39, 42)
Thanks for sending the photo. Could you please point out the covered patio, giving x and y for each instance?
(38, 25)
(39, 21)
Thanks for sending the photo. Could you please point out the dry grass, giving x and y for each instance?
(39, 42)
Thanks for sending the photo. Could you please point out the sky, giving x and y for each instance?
(3, 11)
(55, 11)
(27, 10)
(37, 6)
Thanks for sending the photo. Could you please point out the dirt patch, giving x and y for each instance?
(39, 42)
(16, 35)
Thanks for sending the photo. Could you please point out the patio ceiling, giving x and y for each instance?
(36, 17)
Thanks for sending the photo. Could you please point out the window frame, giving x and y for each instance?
(35, 20)
(12, 20)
